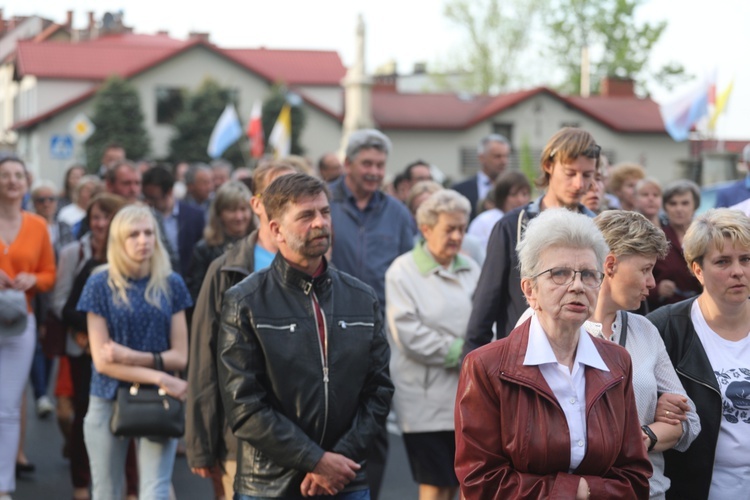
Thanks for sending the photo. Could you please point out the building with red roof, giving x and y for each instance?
(50, 79)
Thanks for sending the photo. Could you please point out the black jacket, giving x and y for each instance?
(209, 440)
(690, 471)
(288, 398)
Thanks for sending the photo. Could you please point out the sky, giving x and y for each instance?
(704, 39)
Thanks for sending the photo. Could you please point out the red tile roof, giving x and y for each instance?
(130, 54)
(293, 67)
(448, 111)
(94, 60)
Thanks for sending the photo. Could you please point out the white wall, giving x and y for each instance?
(188, 70)
(51, 93)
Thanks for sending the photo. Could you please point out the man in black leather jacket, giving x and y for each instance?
(303, 360)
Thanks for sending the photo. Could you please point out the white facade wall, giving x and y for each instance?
(51, 93)
(188, 70)
(330, 97)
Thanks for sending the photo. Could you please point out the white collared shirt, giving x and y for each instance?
(484, 184)
(569, 387)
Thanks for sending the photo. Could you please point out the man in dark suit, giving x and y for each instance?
(182, 223)
(738, 191)
(493, 152)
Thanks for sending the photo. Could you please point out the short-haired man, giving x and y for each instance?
(493, 153)
(330, 167)
(569, 162)
(221, 172)
(182, 223)
(303, 360)
(739, 191)
(113, 153)
(199, 183)
(124, 179)
(372, 229)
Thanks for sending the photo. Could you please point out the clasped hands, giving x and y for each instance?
(331, 474)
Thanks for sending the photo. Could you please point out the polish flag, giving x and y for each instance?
(255, 131)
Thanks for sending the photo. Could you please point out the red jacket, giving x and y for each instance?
(512, 438)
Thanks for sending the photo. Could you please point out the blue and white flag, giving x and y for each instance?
(226, 132)
(683, 112)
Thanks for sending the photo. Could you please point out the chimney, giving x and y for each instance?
(92, 22)
(198, 35)
(69, 19)
(163, 32)
(2, 20)
(612, 86)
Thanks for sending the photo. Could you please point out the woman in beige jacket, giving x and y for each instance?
(428, 302)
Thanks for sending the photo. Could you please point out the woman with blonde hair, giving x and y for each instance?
(634, 246)
(136, 323)
(230, 219)
(707, 340)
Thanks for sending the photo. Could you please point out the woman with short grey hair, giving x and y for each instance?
(560, 402)
(428, 301)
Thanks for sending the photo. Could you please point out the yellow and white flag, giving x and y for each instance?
(280, 138)
(720, 105)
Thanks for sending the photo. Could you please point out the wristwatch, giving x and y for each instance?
(651, 436)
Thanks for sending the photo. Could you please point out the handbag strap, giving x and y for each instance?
(624, 329)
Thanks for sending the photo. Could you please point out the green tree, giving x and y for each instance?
(496, 37)
(619, 46)
(272, 107)
(194, 124)
(118, 118)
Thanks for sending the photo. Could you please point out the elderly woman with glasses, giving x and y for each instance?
(549, 412)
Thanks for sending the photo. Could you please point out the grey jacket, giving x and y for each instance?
(209, 440)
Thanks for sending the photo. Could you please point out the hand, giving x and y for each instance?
(175, 387)
(671, 409)
(583, 490)
(204, 472)
(309, 488)
(666, 289)
(5, 281)
(24, 281)
(333, 472)
(112, 352)
(81, 339)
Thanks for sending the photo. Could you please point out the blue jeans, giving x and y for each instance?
(107, 457)
(352, 495)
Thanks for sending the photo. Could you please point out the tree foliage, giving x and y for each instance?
(194, 124)
(496, 36)
(619, 46)
(272, 107)
(118, 118)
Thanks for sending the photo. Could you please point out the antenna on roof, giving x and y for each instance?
(108, 21)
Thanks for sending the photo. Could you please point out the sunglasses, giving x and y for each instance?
(44, 199)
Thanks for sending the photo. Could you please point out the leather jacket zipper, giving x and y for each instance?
(697, 381)
(323, 356)
(291, 327)
(344, 324)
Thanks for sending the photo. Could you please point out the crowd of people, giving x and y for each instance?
(590, 342)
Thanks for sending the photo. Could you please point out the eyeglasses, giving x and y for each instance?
(593, 152)
(44, 199)
(566, 276)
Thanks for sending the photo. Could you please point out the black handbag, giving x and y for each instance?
(147, 412)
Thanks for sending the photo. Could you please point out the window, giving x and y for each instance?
(169, 102)
(504, 129)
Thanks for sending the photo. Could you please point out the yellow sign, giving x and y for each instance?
(81, 127)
